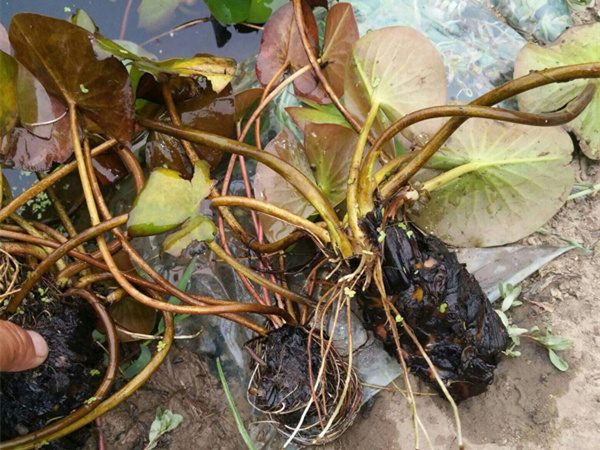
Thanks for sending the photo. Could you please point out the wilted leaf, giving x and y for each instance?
(219, 71)
(82, 19)
(329, 149)
(315, 113)
(9, 109)
(281, 43)
(133, 316)
(400, 69)
(341, 32)
(4, 42)
(209, 112)
(24, 150)
(197, 229)
(168, 201)
(156, 13)
(523, 179)
(577, 45)
(109, 168)
(60, 55)
(271, 187)
(245, 100)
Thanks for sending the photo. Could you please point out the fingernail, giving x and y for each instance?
(40, 345)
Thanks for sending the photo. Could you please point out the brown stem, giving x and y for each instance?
(317, 68)
(52, 178)
(105, 406)
(571, 111)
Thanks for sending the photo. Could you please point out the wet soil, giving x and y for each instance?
(32, 399)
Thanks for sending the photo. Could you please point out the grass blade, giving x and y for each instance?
(236, 415)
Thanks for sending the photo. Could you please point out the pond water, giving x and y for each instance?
(109, 16)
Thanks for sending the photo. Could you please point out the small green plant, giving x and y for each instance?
(164, 422)
(552, 342)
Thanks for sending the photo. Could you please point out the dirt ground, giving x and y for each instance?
(531, 405)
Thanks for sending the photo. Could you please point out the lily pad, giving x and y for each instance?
(134, 316)
(522, 179)
(329, 149)
(4, 42)
(281, 44)
(231, 12)
(324, 159)
(314, 112)
(577, 45)
(219, 71)
(83, 19)
(245, 100)
(9, 108)
(402, 71)
(271, 187)
(60, 55)
(207, 111)
(22, 149)
(341, 32)
(156, 13)
(168, 201)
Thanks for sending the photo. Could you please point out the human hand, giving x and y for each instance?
(20, 349)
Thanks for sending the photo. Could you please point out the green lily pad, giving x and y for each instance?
(313, 112)
(522, 179)
(156, 13)
(197, 229)
(402, 71)
(329, 149)
(219, 71)
(60, 55)
(83, 19)
(231, 12)
(577, 45)
(168, 200)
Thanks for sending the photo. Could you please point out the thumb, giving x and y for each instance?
(20, 349)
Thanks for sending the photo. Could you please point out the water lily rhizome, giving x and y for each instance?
(373, 171)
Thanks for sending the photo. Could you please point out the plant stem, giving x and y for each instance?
(352, 205)
(274, 211)
(572, 110)
(463, 169)
(510, 89)
(52, 178)
(57, 430)
(584, 192)
(291, 174)
(252, 275)
(299, 16)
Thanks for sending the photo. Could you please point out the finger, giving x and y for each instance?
(20, 349)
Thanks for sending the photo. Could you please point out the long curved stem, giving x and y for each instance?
(352, 196)
(299, 16)
(114, 400)
(274, 211)
(510, 89)
(571, 111)
(296, 178)
(52, 178)
(33, 439)
(251, 274)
